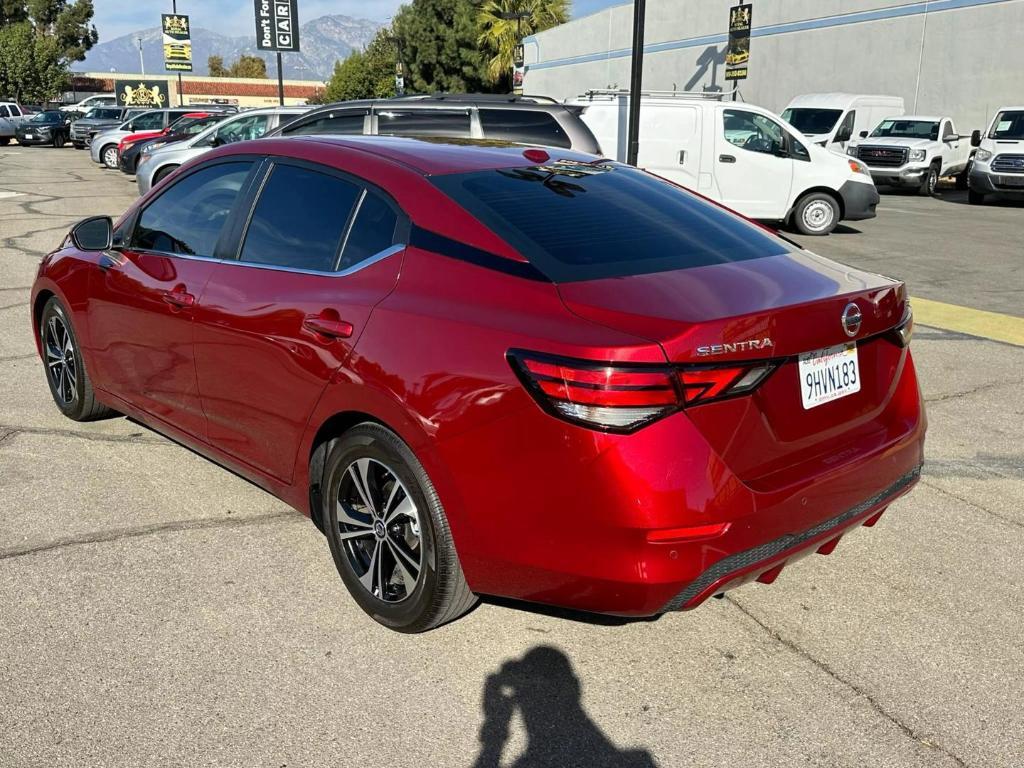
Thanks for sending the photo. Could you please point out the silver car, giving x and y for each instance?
(103, 149)
(156, 163)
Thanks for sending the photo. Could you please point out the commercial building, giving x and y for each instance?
(958, 57)
(235, 91)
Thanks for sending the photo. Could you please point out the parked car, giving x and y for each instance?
(401, 338)
(251, 124)
(997, 166)
(132, 147)
(103, 149)
(913, 151)
(740, 155)
(51, 127)
(523, 119)
(832, 119)
(11, 116)
(99, 119)
(90, 102)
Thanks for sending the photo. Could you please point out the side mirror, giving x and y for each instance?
(93, 234)
(863, 134)
(216, 140)
(975, 138)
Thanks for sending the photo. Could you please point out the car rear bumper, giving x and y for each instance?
(859, 200)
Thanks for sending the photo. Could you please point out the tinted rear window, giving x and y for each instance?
(349, 124)
(580, 221)
(525, 126)
(423, 122)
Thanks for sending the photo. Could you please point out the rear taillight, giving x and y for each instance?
(622, 398)
(902, 333)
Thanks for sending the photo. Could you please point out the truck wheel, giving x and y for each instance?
(816, 213)
(975, 198)
(4, 141)
(961, 178)
(929, 182)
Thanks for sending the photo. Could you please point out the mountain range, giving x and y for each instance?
(322, 41)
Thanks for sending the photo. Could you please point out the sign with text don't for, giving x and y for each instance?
(277, 25)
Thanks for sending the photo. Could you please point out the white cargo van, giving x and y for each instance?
(832, 119)
(738, 154)
(997, 167)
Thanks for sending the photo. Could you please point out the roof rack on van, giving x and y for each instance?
(613, 92)
(508, 98)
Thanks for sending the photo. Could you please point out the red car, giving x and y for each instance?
(178, 125)
(490, 370)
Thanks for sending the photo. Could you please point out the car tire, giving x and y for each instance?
(962, 177)
(816, 213)
(58, 140)
(386, 528)
(163, 173)
(929, 182)
(108, 155)
(66, 376)
(975, 198)
(4, 141)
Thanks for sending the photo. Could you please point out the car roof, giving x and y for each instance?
(926, 118)
(448, 101)
(428, 156)
(837, 100)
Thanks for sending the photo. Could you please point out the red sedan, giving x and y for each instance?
(484, 370)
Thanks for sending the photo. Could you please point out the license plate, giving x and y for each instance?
(1012, 181)
(28, 136)
(829, 374)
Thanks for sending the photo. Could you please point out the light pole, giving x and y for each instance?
(518, 16)
(636, 76)
(181, 96)
(142, 62)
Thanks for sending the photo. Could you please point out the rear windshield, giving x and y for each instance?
(585, 221)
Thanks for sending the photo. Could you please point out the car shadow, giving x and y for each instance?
(959, 197)
(546, 693)
(566, 614)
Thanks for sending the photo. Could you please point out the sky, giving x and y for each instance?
(235, 17)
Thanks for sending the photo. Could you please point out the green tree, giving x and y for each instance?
(215, 65)
(368, 74)
(246, 66)
(438, 41)
(39, 40)
(499, 36)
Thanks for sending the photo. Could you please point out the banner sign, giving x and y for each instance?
(737, 55)
(277, 25)
(177, 42)
(141, 93)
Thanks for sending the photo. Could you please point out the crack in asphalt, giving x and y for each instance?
(17, 288)
(10, 358)
(136, 437)
(968, 392)
(118, 534)
(976, 505)
(824, 667)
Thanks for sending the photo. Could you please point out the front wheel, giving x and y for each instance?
(109, 156)
(58, 140)
(816, 214)
(163, 173)
(975, 198)
(65, 370)
(388, 532)
(929, 182)
(4, 141)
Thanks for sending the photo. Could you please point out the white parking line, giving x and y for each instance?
(887, 209)
(4, 194)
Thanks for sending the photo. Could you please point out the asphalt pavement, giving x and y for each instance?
(157, 610)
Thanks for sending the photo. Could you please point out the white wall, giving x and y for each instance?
(971, 52)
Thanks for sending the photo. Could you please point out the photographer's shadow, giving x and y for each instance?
(545, 691)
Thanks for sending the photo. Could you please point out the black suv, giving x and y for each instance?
(519, 119)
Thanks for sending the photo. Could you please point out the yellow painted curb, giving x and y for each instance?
(973, 322)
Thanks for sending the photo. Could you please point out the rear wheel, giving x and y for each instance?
(975, 198)
(816, 213)
(388, 532)
(929, 182)
(109, 156)
(962, 177)
(65, 370)
(58, 140)
(4, 141)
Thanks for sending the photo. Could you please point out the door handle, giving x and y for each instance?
(726, 158)
(179, 299)
(324, 326)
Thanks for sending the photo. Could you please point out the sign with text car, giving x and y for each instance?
(177, 42)
(737, 55)
(277, 25)
(141, 93)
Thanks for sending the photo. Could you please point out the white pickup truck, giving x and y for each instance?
(914, 151)
(11, 117)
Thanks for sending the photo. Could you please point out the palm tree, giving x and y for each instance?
(500, 28)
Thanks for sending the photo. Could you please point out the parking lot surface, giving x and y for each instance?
(158, 610)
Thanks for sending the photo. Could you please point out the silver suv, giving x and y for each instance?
(156, 163)
(520, 119)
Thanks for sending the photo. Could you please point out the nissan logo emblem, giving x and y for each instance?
(851, 319)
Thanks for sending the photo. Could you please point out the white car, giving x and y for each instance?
(832, 119)
(914, 151)
(88, 103)
(998, 163)
(11, 117)
(743, 156)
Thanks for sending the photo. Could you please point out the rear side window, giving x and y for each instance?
(105, 114)
(524, 126)
(586, 221)
(4, 112)
(372, 231)
(349, 124)
(148, 122)
(189, 216)
(299, 230)
(423, 122)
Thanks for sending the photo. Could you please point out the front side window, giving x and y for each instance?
(948, 134)
(524, 126)
(846, 129)
(104, 113)
(373, 231)
(894, 127)
(423, 122)
(243, 129)
(752, 131)
(16, 111)
(586, 221)
(4, 111)
(189, 216)
(346, 123)
(812, 121)
(150, 121)
(300, 220)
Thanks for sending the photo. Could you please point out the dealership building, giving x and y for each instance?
(962, 58)
(234, 91)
